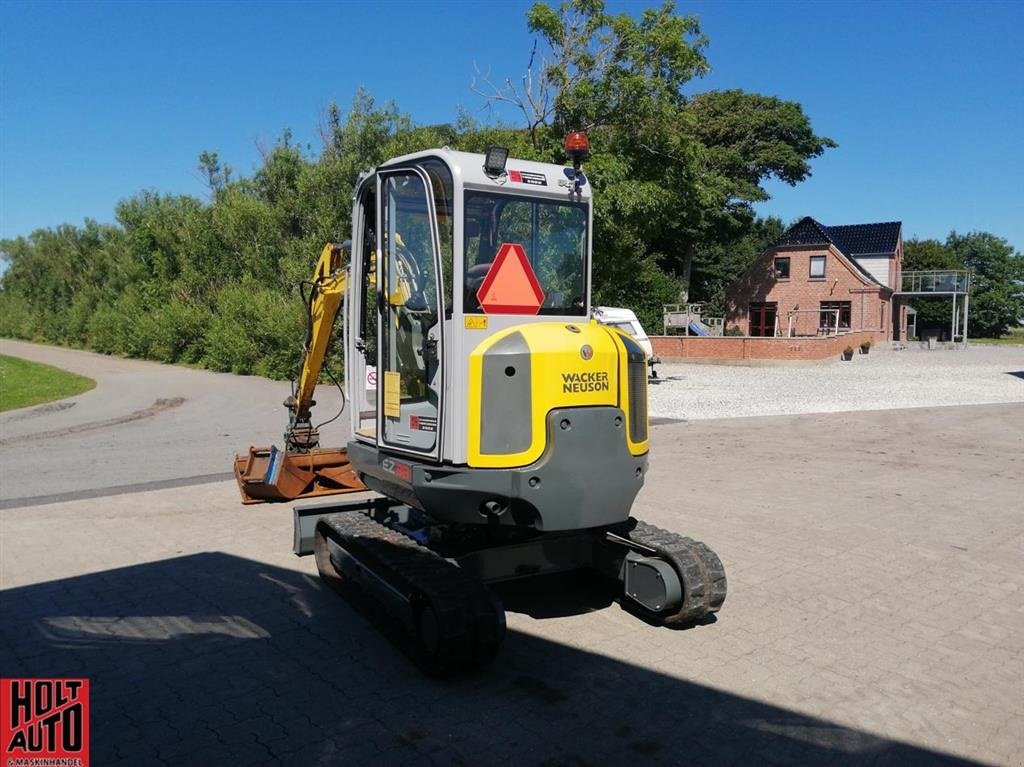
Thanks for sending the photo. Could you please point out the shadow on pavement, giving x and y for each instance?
(212, 658)
(555, 596)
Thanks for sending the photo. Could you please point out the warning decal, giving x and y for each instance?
(423, 423)
(526, 177)
(511, 286)
(392, 394)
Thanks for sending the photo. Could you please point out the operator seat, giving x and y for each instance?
(475, 276)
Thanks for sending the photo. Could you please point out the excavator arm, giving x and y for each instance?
(303, 469)
(326, 292)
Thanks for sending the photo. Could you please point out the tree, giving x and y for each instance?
(716, 265)
(997, 280)
(751, 137)
(930, 255)
(997, 274)
(676, 172)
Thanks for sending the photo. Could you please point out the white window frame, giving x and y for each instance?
(810, 271)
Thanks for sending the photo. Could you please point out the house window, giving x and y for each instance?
(762, 319)
(782, 268)
(817, 267)
(827, 318)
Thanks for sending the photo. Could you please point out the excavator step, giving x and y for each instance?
(453, 620)
(268, 474)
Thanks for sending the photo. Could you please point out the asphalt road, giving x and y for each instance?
(144, 425)
(875, 611)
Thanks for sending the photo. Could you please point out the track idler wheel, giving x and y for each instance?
(680, 583)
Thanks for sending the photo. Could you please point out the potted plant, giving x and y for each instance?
(865, 347)
(848, 353)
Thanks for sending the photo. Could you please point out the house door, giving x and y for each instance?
(762, 319)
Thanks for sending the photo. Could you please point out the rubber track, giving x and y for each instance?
(701, 571)
(470, 619)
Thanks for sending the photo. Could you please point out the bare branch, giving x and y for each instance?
(531, 97)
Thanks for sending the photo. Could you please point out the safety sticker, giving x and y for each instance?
(526, 177)
(392, 394)
(423, 423)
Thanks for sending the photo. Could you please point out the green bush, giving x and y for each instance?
(111, 329)
(79, 316)
(17, 320)
(174, 331)
(256, 330)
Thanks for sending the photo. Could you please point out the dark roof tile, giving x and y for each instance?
(806, 231)
(862, 239)
(851, 240)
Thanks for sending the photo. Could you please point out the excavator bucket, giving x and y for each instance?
(268, 474)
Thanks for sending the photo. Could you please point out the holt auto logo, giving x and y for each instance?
(44, 722)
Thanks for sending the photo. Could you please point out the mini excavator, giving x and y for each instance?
(501, 431)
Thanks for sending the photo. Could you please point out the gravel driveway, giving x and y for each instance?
(881, 380)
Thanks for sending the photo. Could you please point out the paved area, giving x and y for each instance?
(881, 380)
(875, 616)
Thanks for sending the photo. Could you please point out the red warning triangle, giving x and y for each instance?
(511, 286)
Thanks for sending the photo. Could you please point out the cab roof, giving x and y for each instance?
(520, 175)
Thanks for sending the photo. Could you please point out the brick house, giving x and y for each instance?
(817, 279)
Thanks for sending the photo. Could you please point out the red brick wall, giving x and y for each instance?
(736, 348)
(842, 282)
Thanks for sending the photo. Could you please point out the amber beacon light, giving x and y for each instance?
(577, 146)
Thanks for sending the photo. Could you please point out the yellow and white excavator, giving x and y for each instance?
(502, 430)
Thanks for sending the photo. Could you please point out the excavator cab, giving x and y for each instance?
(453, 254)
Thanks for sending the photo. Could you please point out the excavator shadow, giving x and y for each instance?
(578, 592)
(213, 658)
(557, 595)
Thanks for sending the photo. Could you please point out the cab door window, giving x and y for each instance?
(410, 333)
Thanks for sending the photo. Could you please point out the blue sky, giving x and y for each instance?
(100, 100)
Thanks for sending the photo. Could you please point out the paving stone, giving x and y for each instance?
(854, 632)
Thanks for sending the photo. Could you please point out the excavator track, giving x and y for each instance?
(454, 621)
(699, 568)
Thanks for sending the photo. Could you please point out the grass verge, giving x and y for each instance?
(24, 383)
(1014, 337)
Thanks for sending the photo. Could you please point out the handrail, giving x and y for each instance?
(936, 281)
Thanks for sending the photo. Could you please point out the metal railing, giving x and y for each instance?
(949, 281)
(679, 316)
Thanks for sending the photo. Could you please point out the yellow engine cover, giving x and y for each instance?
(517, 376)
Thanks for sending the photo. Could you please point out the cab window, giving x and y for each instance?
(553, 235)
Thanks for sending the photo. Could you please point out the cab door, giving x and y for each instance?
(362, 316)
(410, 348)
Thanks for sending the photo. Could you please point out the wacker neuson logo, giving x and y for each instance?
(573, 383)
(44, 722)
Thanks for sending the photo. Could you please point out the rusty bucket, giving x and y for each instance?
(268, 474)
